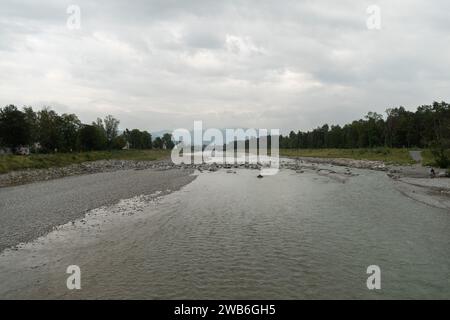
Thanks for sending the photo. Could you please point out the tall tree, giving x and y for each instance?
(14, 129)
(167, 141)
(111, 126)
(69, 125)
(158, 143)
(50, 136)
(91, 137)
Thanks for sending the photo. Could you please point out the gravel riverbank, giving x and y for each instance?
(33, 175)
(32, 210)
(412, 181)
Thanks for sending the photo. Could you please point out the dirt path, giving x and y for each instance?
(416, 155)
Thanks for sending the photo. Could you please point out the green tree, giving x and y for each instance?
(158, 143)
(138, 139)
(15, 131)
(69, 124)
(147, 140)
(91, 137)
(111, 127)
(135, 139)
(119, 142)
(32, 119)
(49, 135)
(167, 141)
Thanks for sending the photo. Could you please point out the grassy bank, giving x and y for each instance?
(428, 158)
(34, 161)
(387, 155)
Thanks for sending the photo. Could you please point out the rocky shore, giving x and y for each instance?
(33, 175)
(297, 164)
(412, 181)
(359, 164)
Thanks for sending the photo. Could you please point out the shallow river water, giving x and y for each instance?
(234, 236)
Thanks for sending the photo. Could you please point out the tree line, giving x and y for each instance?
(47, 131)
(428, 126)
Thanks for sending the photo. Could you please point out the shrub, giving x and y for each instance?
(441, 154)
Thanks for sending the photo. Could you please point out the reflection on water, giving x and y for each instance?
(288, 236)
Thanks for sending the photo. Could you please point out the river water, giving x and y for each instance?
(234, 236)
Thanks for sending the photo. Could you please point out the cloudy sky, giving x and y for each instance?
(265, 64)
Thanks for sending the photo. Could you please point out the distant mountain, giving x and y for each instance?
(223, 131)
(160, 133)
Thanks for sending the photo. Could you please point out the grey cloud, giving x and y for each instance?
(163, 64)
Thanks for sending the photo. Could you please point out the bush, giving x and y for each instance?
(118, 143)
(441, 155)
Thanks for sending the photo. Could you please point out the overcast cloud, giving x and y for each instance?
(275, 64)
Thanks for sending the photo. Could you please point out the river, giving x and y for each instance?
(234, 236)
